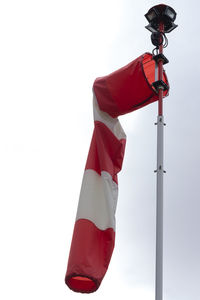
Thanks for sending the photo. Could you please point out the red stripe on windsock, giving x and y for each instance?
(106, 151)
(90, 254)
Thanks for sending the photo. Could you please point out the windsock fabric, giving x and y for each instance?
(121, 92)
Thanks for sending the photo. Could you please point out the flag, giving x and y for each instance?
(118, 93)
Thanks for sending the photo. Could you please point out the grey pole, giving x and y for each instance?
(161, 20)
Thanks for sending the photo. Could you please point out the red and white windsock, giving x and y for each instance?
(121, 92)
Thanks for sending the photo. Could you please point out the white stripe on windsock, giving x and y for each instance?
(98, 199)
(112, 123)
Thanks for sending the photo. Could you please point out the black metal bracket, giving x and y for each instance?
(160, 57)
(160, 84)
(155, 171)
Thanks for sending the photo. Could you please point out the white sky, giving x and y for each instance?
(50, 54)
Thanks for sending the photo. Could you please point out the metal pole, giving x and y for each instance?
(159, 189)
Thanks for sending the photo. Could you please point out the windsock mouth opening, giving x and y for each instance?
(149, 69)
(81, 284)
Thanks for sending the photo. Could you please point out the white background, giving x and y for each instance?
(50, 54)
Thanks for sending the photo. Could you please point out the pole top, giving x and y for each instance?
(161, 13)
